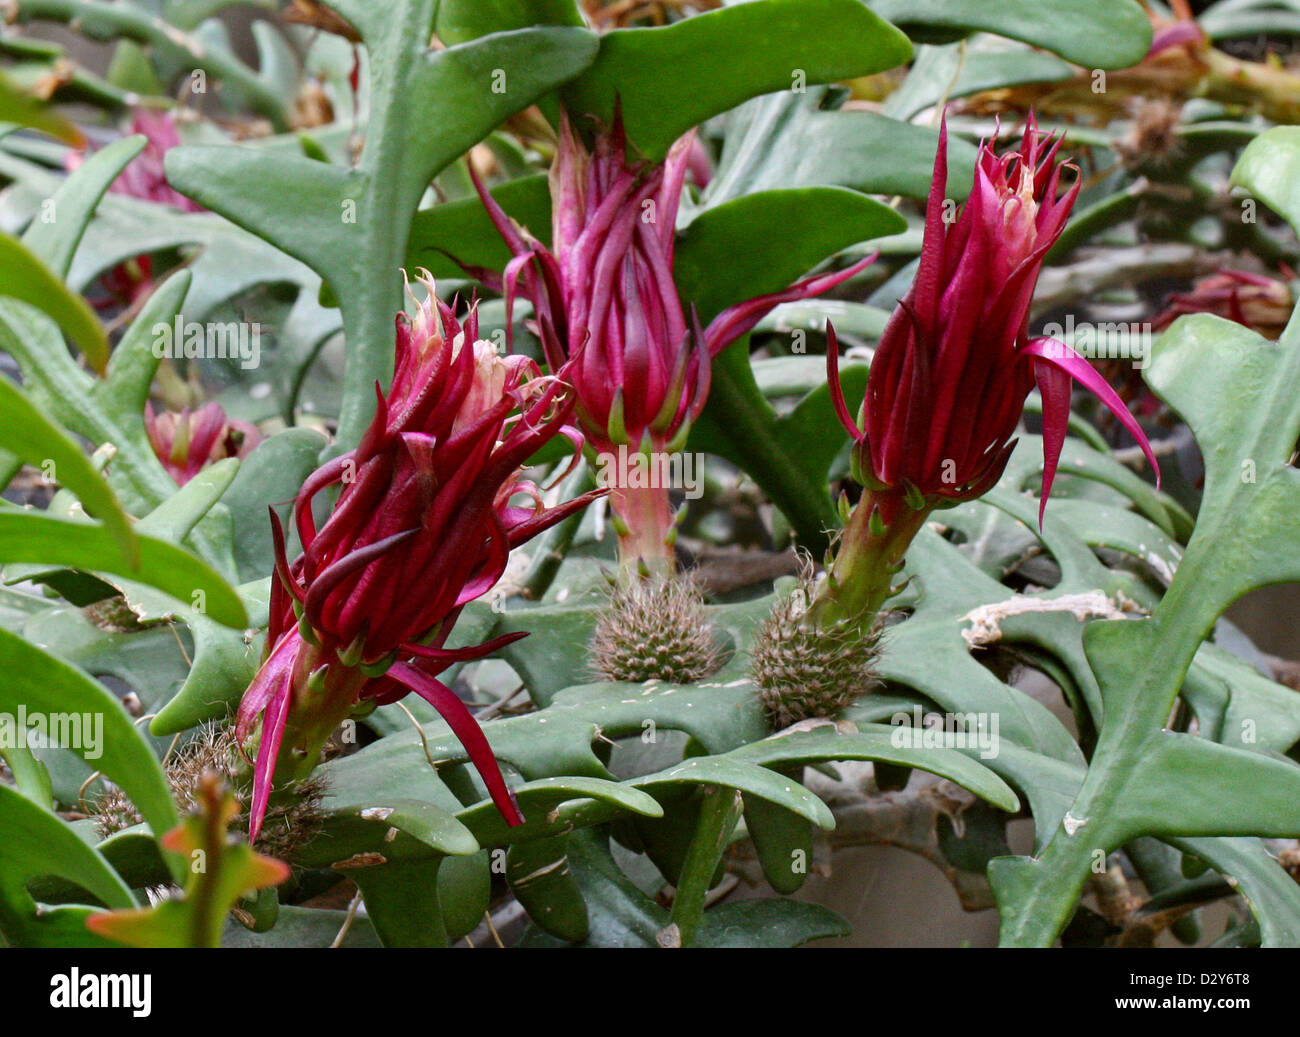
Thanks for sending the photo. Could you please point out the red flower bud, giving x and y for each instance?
(188, 442)
(144, 177)
(949, 378)
(606, 308)
(604, 298)
(1256, 301)
(423, 524)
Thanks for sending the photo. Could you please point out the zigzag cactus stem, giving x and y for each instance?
(864, 574)
(646, 524)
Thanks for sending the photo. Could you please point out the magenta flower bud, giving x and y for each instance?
(606, 308)
(424, 523)
(188, 442)
(1256, 301)
(952, 370)
(144, 177)
(955, 363)
(604, 298)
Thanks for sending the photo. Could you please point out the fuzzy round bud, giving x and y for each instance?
(804, 671)
(655, 630)
(291, 822)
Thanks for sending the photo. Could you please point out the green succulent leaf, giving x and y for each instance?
(37, 843)
(354, 223)
(34, 439)
(42, 684)
(182, 49)
(30, 281)
(462, 231)
(769, 923)
(543, 803)
(787, 141)
(762, 242)
(1107, 34)
(221, 871)
(1236, 392)
(399, 830)
(779, 45)
(19, 107)
(459, 21)
(34, 537)
(542, 882)
(55, 241)
(941, 74)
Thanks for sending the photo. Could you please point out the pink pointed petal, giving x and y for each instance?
(493, 566)
(485, 276)
(1177, 34)
(281, 561)
(208, 424)
(577, 440)
(833, 383)
(505, 226)
(447, 656)
(355, 561)
(327, 474)
(273, 721)
(510, 288)
(546, 519)
(265, 683)
(929, 273)
(703, 369)
(1054, 387)
(736, 320)
(1049, 352)
(466, 729)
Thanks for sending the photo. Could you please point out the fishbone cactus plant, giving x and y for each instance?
(810, 314)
